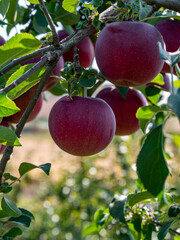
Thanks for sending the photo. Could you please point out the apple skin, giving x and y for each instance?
(2, 41)
(86, 50)
(124, 109)
(4, 124)
(22, 103)
(167, 83)
(52, 81)
(82, 126)
(170, 30)
(127, 53)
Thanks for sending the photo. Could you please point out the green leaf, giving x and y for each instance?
(27, 213)
(13, 232)
(3, 214)
(33, 1)
(25, 85)
(117, 207)
(70, 5)
(158, 79)
(143, 11)
(123, 91)
(84, 82)
(8, 137)
(5, 187)
(153, 93)
(65, 17)
(22, 220)
(174, 103)
(39, 22)
(137, 221)
(17, 46)
(26, 167)
(10, 207)
(89, 229)
(4, 5)
(8, 176)
(164, 230)
(151, 164)
(176, 139)
(138, 197)
(147, 112)
(11, 14)
(101, 218)
(58, 90)
(7, 106)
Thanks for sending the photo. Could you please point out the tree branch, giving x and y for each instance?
(51, 24)
(19, 127)
(169, 4)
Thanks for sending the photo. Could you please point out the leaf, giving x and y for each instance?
(25, 85)
(39, 22)
(138, 197)
(10, 207)
(27, 213)
(7, 106)
(153, 93)
(70, 5)
(4, 5)
(158, 79)
(8, 176)
(122, 90)
(176, 139)
(117, 207)
(164, 230)
(17, 46)
(26, 167)
(174, 103)
(151, 166)
(89, 229)
(33, 1)
(143, 12)
(58, 90)
(101, 218)
(84, 82)
(13, 232)
(8, 137)
(22, 220)
(11, 14)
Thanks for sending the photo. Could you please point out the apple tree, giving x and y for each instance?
(136, 46)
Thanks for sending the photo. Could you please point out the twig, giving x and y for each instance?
(76, 60)
(22, 59)
(26, 75)
(169, 4)
(161, 225)
(29, 109)
(51, 24)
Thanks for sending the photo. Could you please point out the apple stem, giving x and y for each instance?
(84, 92)
(172, 82)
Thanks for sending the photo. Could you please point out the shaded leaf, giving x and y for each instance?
(22, 220)
(138, 197)
(26, 167)
(27, 213)
(153, 93)
(174, 103)
(164, 230)
(101, 218)
(13, 232)
(123, 91)
(8, 137)
(10, 207)
(117, 207)
(4, 5)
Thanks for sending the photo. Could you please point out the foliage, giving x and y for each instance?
(152, 208)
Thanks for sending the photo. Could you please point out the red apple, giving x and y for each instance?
(167, 83)
(170, 30)
(127, 53)
(82, 126)
(22, 103)
(2, 41)
(56, 71)
(124, 109)
(4, 124)
(86, 50)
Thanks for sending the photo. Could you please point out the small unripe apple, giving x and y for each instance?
(52, 81)
(4, 124)
(170, 30)
(2, 41)
(127, 53)
(167, 83)
(22, 103)
(82, 126)
(86, 50)
(124, 109)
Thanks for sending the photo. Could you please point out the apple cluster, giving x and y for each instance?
(127, 54)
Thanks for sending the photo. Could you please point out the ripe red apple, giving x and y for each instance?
(2, 41)
(124, 109)
(170, 30)
(82, 126)
(167, 83)
(56, 71)
(127, 53)
(22, 103)
(86, 50)
(4, 124)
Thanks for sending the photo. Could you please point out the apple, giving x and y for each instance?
(167, 83)
(22, 103)
(52, 81)
(170, 30)
(127, 53)
(2, 41)
(4, 124)
(81, 126)
(124, 109)
(86, 50)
